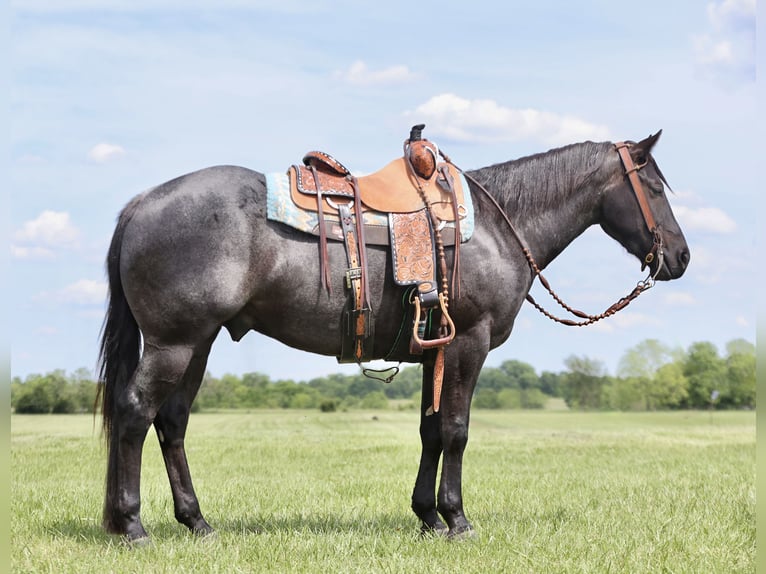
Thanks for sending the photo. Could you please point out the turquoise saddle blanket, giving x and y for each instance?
(281, 208)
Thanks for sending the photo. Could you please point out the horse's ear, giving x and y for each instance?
(640, 152)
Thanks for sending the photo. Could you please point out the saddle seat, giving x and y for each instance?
(392, 189)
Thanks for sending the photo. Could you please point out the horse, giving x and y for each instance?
(197, 254)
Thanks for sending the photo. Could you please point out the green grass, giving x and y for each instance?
(292, 491)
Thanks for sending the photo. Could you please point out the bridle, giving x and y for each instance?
(631, 171)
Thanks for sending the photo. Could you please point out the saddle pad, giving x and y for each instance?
(281, 208)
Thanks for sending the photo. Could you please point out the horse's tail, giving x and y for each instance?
(120, 336)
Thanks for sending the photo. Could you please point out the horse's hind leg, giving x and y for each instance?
(424, 493)
(158, 373)
(170, 424)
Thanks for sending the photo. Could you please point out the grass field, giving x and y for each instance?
(293, 491)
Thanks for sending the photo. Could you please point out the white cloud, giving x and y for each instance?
(727, 52)
(742, 321)
(707, 219)
(358, 73)
(714, 53)
(103, 152)
(38, 237)
(484, 120)
(731, 13)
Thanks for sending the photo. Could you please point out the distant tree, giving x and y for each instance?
(522, 375)
(495, 379)
(740, 347)
(672, 386)
(550, 383)
(486, 399)
(308, 399)
(508, 399)
(639, 368)
(625, 394)
(49, 393)
(362, 386)
(33, 397)
(652, 376)
(705, 372)
(584, 382)
(84, 390)
(255, 380)
(409, 380)
(328, 406)
(533, 399)
(374, 400)
(644, 359)
(740, 372)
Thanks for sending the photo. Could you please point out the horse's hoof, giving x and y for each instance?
(462, 534)
(206, 535)
(437, 530)
(139, 542)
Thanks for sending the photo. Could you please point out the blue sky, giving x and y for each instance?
(108, 98)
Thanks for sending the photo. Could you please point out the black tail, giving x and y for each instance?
(120, 335)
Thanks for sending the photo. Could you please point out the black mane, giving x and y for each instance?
(545, 179)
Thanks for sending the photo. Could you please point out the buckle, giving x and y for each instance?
(351, 274)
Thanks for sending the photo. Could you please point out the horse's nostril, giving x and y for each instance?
(684, 257)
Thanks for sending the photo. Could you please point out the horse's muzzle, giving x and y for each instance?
(673, 264)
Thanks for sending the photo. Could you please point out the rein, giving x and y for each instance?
(631, 171)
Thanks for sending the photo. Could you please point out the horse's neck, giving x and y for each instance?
(551, 230)
(551, 199)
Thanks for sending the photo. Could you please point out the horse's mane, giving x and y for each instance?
(543, 180)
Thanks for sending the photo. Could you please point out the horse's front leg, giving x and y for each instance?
(424, 494)
(461, 372)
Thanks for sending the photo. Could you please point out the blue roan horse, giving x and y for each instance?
(197, 254)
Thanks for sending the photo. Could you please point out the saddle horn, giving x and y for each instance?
(421, 153)
(416, 133)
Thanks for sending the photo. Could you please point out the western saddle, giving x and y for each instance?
(419, 194)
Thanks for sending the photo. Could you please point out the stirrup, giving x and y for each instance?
(433, 343)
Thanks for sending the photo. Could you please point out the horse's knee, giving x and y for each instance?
(430, 434)
(454, 435)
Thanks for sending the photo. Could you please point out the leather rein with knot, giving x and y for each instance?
(631, 171)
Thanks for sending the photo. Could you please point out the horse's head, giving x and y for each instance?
(636, 212)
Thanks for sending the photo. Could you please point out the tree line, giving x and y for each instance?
(650, 376)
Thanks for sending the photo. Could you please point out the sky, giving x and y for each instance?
(109, 98)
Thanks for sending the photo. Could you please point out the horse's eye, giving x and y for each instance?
(655, 185)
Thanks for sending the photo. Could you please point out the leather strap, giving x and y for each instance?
(324, 261)
(359, 321)
(449, 187)
(631, 170)
(362, 244)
